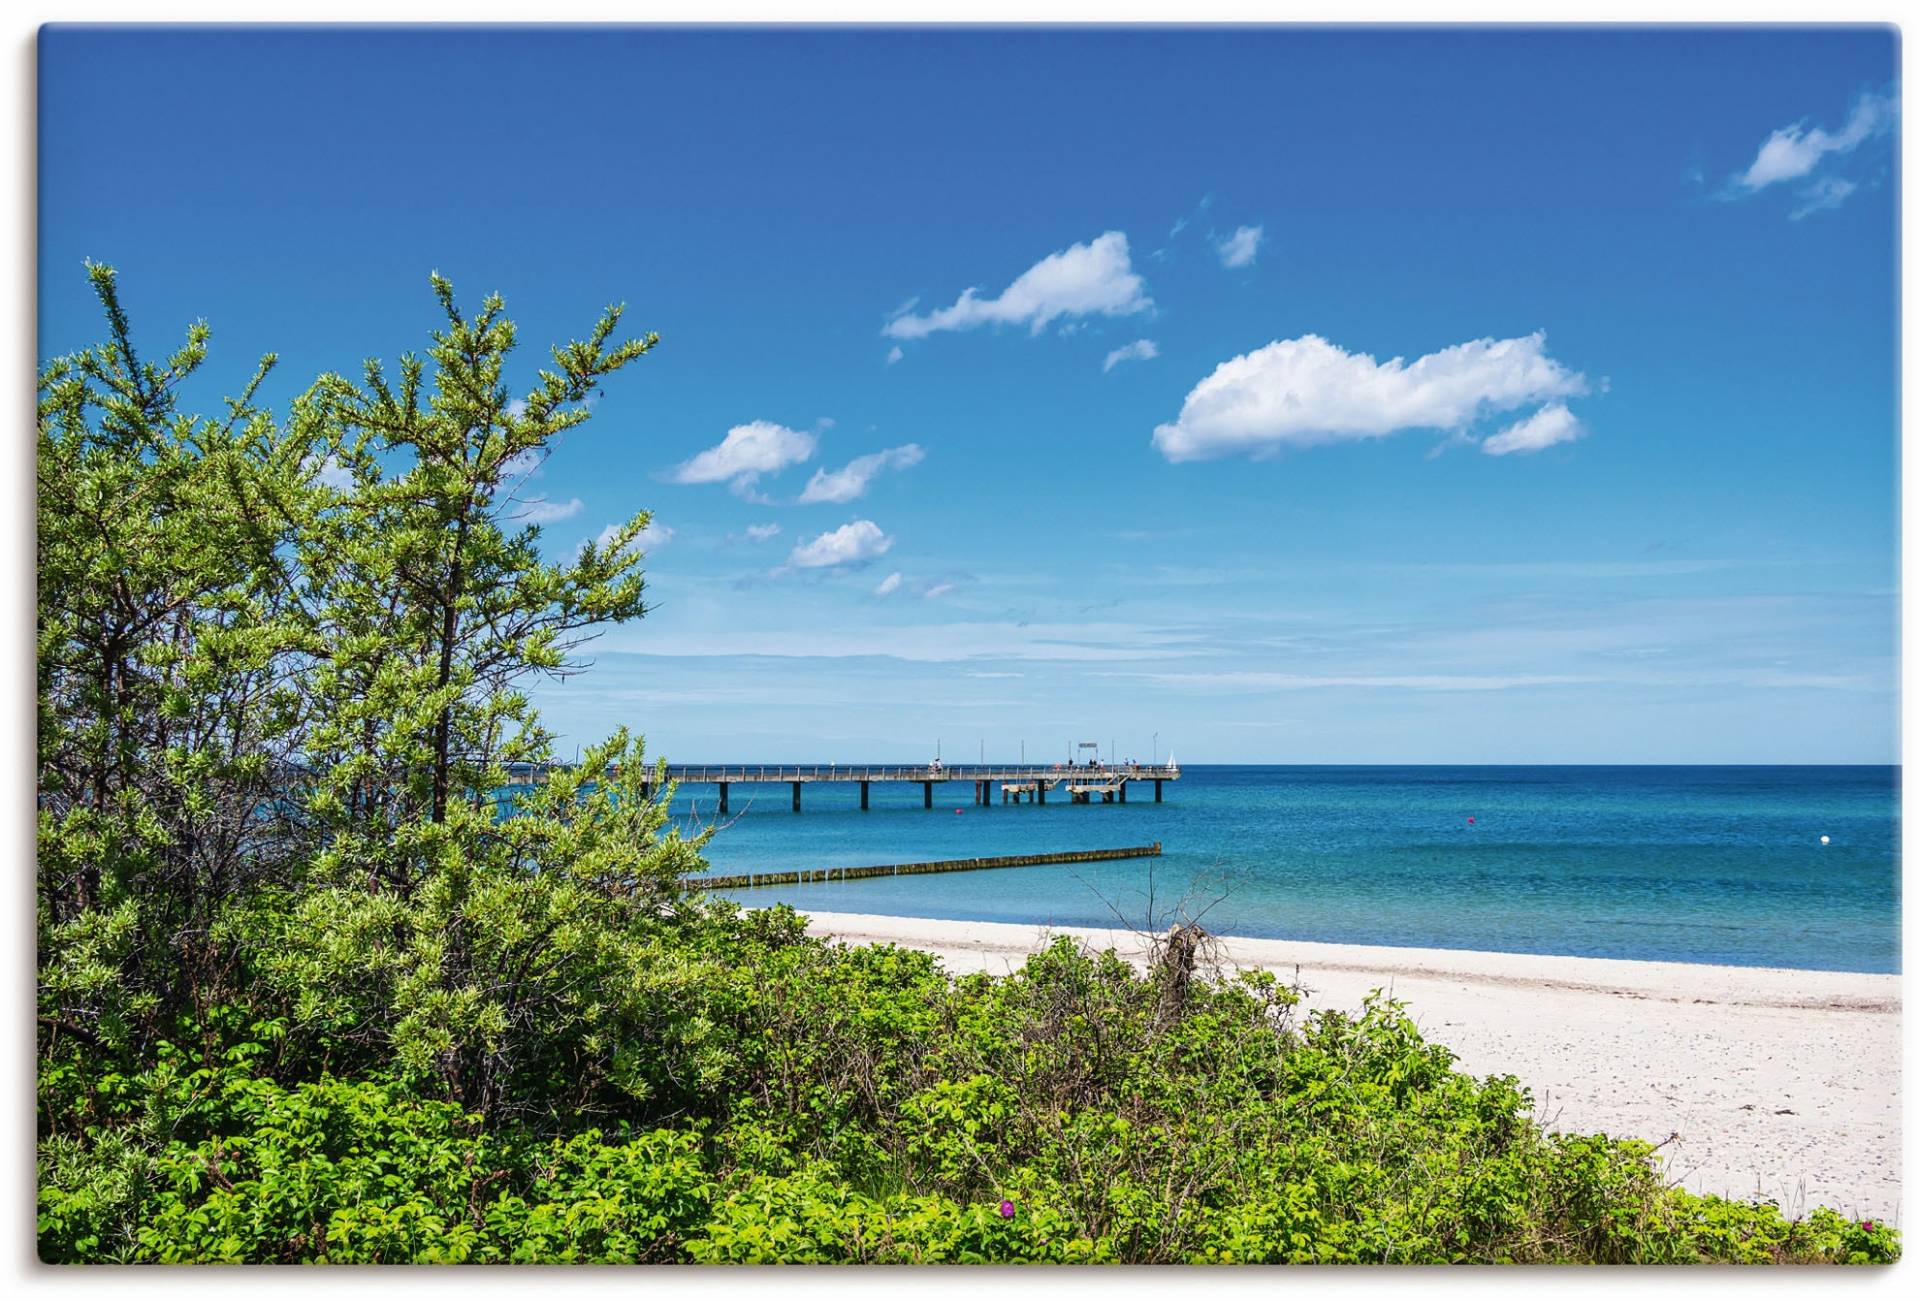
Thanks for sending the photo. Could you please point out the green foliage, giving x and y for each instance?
(307, 995)
(892, 1128)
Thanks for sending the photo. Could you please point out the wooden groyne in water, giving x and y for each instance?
(816, 875)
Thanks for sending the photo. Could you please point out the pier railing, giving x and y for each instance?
(992, 772)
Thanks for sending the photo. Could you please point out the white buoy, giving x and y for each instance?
(1823, 840)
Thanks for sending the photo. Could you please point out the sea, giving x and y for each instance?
(1723, 865)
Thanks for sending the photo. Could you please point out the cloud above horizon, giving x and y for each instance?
(1551, 424)
(926, 588)
(1306, 392)
(1092, 279)
(330, 473)
(847, 547)
(747, 452)
(851, 480)
(1827, 192)
(1240, 248)
(538, 510)
(1138, 350)
(1792, 153)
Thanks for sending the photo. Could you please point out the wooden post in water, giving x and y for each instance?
(723, 797)
(929, 792)
(1156, 790)
(863, 796)
(1123, 792)
(796, 797)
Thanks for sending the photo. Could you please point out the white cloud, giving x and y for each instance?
(1827, 192)
(932, 643)
(851, 481)
(927, 589)
(521, 465)
(1138, 350)
(761, 532)
(1306, 391)
(1551, 424)
(1181, 223)
(1793, 151)
(1238, 682)
(331, 474)
(845, 547)
(1095, 278)
(1240, 248)
(538, 510)
(747, 452)
(894, 354)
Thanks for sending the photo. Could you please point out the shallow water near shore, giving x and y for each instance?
(1678, 864)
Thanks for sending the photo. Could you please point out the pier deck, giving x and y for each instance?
(1032, 781)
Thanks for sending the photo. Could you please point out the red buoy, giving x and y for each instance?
(1469, 819)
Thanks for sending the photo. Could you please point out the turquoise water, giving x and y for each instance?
(1686, 864)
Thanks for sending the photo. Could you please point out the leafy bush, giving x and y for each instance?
(874, 1109)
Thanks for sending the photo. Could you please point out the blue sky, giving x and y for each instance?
(1296, 396)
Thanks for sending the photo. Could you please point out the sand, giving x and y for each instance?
(1760, 1082)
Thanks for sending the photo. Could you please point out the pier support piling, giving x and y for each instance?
(1021, 784)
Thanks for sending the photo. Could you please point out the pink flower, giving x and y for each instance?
(1865, 1224)
(1006, 1211)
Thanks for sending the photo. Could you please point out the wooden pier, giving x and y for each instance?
(812, 876)
(1016, 782)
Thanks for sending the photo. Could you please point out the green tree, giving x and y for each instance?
(431, 607)
(282, 672)
(168, 714)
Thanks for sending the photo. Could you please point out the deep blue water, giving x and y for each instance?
(1686, 864)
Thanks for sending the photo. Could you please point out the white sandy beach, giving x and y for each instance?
(1777, 1083)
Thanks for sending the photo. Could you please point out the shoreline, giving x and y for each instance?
(1759, 1081)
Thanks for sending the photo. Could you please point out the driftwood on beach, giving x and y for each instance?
(815, 875)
